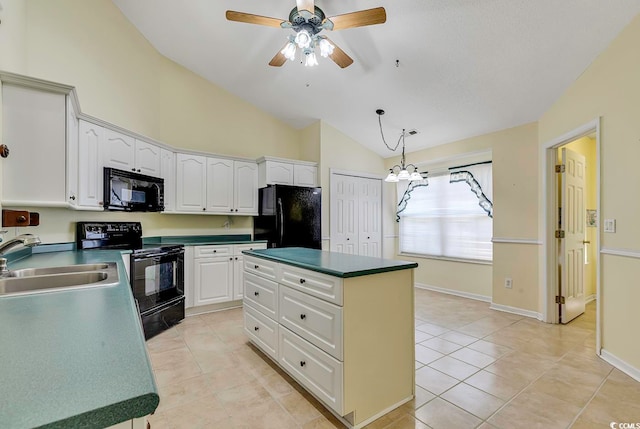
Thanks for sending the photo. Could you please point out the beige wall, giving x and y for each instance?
(514, 154)
(586, 146)
(122, 79)
(610, 89)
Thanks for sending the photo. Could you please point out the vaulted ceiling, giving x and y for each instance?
(451, 69)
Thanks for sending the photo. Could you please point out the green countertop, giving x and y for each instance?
(73, 358)
(334, 264)
(201, 240)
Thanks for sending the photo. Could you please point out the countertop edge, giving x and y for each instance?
(341, 274)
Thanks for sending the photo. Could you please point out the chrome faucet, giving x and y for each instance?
(28, 240)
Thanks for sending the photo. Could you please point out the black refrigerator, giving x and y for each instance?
(289, 216)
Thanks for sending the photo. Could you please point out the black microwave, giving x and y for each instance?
(133, 192)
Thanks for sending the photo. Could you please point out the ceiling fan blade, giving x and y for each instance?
(305, 5)
(339, 56)
(253, 19)
(279, 59)
(359, 19)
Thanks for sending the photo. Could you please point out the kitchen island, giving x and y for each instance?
(74, 358)
(341, 325)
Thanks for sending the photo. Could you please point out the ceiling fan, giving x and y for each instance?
(308, 20)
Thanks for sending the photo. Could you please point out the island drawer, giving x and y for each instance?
(315, 320)
(261, 267)
(261, 330)
(262, 294)
(238, 248)
(314, 283)
(318, 372)
(209, 251)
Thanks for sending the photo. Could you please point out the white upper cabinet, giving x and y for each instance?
(147, 158)
(72, 154)
(220, 185)
(168, 173)
(90, 176)
(245, 181)
(277, 171)
(118, 150)
(34, 129)
(191, 183)
(129, 154)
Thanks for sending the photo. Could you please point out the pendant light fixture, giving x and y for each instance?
(399, 171)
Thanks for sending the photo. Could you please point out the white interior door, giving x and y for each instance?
(572, 222)
(344, 214)
(369, 219)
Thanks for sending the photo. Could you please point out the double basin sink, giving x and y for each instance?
(39, 280)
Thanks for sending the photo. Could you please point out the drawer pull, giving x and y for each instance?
(257, 328)
(302, 281)
(256, 293)
(255, 267)
(215, 251)
(303, 316)
(302, 363)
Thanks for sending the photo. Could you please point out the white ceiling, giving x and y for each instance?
(467, 67)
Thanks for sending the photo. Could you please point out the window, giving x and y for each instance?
(448, 215)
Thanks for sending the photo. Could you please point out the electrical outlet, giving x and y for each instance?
(508, 283)
(609, 225)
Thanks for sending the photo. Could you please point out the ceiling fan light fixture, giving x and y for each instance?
(303, 39)
(310, 59)
(289, 51)
(326, 48)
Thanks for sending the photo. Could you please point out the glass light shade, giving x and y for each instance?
(303, 39)
(415, 176)
(289, 51)
(391, 178)
(404, 175)
(311, 60)
(326, 48)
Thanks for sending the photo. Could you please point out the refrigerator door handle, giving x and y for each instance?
(280, 215)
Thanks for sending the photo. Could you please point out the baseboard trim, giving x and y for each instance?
(459, 293)
(590, 298)
(516, 310)
(194, 311)
(623, 366)
(377, 416)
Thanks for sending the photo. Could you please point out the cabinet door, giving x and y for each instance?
(168, 173)
(213, 280)
(118, 150)
(34, 124)
(238, 277)
(369, 213)
(279, 173)
(72, 154)
(344, 217)
(305, 175)
(245, 187)
(191, 182)
(219, 185)
(90, 175)
(147, 158)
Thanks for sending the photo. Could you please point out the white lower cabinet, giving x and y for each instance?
(348, 341)
(214, 273)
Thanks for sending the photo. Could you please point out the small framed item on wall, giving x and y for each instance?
(592, 218)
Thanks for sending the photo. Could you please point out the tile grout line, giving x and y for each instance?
(595, 393)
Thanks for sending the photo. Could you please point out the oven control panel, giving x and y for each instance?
(108, 235)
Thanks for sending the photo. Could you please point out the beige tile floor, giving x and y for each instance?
(475, 367)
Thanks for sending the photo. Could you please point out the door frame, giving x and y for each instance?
(549, 275)
(332, 173)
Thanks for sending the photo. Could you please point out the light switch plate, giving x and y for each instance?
(609, 225)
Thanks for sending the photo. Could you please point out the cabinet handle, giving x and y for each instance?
(236, 258)
(139, 170)
(255, 267)
(230, 210)
(303, 316)
(133, 169)
(256, 293)
(236, 209)
(368, 238)
(302, 363)
(204, 208)
(256, 328)
(231, 259)
(214, 251)
(302, 281)
(72, 197)
(348, 239)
